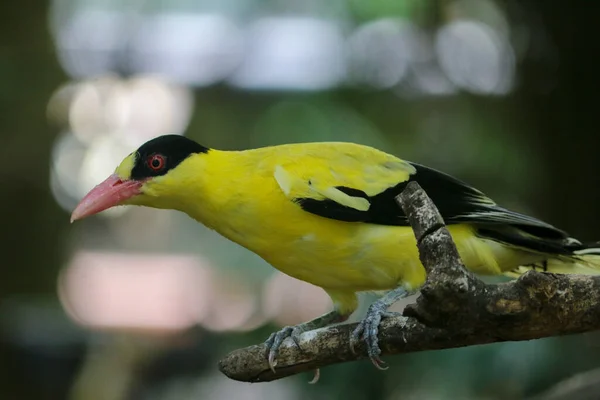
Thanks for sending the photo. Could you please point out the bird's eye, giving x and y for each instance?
(156, 162)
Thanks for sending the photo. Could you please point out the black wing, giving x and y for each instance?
(458, 203)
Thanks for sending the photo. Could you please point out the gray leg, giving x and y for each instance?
(369, 326)
(276, 339)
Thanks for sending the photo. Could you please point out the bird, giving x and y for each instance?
(325, 213)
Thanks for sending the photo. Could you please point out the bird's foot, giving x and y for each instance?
(276, 339)
(367, 330)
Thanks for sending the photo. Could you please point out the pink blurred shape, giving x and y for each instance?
(136, 291)
(289, 301)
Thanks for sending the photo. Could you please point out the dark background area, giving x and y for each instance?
(533, 148)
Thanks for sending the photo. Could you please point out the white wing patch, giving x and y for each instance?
(358, 203)
(291, 185)
(284, 180)
(323, 171)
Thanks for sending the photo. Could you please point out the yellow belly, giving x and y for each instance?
(362, 257)
(371, 258)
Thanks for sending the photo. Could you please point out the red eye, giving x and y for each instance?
(156, 162)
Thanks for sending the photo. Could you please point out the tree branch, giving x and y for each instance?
(454, 309)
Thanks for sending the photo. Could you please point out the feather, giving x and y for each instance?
(457, 202)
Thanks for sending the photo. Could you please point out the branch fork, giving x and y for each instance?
(454, 309)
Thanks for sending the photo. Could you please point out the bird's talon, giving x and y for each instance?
(352, 348)
(272, 360)
(296, 332)
(315, 378)
(379, 363)
(356, 336)
(367, 330)
(269, 344)
(276, 339)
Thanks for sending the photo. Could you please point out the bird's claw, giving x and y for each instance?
(367, 330)
(274, 342)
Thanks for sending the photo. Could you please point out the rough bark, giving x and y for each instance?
(454, 309)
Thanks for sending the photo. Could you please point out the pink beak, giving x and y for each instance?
(107, 194)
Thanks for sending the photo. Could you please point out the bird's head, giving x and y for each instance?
(150, 176)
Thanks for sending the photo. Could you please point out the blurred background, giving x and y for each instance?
(141, 304)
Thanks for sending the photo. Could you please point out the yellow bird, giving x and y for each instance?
(325, 213)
